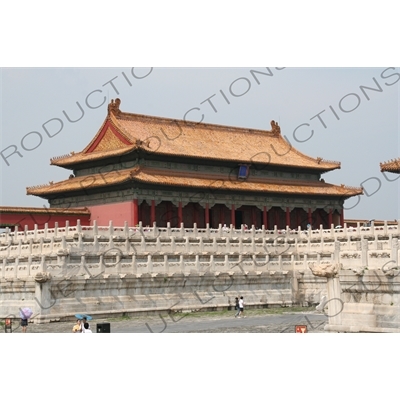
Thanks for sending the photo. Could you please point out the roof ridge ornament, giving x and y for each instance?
(113, 107)
(276, 129)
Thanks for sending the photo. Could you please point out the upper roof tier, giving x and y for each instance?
(122, 133)
(391, 166)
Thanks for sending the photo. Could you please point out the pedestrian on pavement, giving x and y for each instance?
(237, 306)
(83, 324)
(87, 328)
(241, 307)
(24, 325)
(77, 327)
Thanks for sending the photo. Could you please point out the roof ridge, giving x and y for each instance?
(352, 187)
(129, 126)
(121, 130)
(38, 186)
(192, 123)
(393, 160)
(95, 137)
(60, 157)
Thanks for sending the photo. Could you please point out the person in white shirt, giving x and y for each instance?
(241, 307)
(86, 328)
(83, 324)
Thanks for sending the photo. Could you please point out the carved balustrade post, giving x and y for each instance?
(395, 250)
(134, 264)
(95, 228)
(364, 253)
(166, 264)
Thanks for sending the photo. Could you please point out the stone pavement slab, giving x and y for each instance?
(256, 321)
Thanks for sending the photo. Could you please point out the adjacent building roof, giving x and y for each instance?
(175, 178)
(44, 210)
(391, 166)
(122, 133)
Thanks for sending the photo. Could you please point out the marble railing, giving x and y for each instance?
(119, 255)
(141, 250)
(153, 232)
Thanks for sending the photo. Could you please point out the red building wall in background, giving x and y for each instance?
(30, 218)
(118, 213)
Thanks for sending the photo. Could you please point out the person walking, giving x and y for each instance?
(25, 313)
(87, 328)
(237, 306)
(77, 327)
(241, 307)
(24, 325)
(84, 322)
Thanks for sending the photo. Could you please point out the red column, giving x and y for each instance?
(233, 222)
(253, 216)
(169, 212)
(265, 218)
(180, 216)
(317, 218)
(330, 218)
(342, 217)
(298, 217)
(207, 214)
(221, 214)
(287, 216)
(195, 214)
(309, 216)
(135, 212)
(153, 212)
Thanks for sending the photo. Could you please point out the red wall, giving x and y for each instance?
(30, 219)
(118, 213)
(103, 214)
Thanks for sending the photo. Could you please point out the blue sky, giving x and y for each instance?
(357, 126)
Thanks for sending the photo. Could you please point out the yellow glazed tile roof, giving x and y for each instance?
(391, 166)
(203, 182)
(122, 133)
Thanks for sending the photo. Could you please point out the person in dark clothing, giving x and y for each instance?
(237, 306)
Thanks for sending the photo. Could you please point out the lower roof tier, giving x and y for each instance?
(155, 177)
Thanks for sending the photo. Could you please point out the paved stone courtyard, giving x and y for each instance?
(256, 321)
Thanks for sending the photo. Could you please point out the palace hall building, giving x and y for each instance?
(160, 170)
